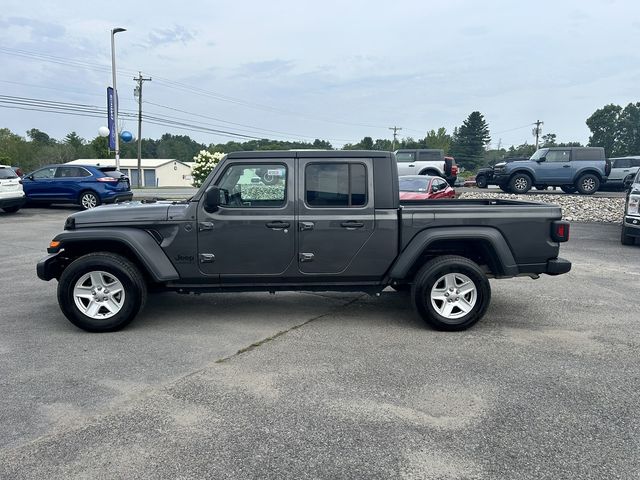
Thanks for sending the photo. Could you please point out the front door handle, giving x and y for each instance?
(278, 225)
(351, 225)
(205, 226)
(566, 166)
(412, 165)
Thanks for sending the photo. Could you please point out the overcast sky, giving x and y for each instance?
(336, 70)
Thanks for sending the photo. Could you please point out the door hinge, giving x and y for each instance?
(207, 258)
(305, 257)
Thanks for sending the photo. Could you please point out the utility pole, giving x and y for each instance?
(537, 131)
(395, 134)
(138, 93)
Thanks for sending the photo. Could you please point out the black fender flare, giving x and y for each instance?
(421, 242)
(138, 241)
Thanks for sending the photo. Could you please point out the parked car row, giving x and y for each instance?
(84, 185)
(11, 193)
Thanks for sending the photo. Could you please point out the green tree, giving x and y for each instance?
(39, 137)
(605, 128)
(470, 140)
(99, 148)
(440, 139)
(549, 140)
(629, 130)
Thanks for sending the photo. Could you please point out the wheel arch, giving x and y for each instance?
(431, 171)
(586, 170)
(527, 172)
(484, 245)
(136, 245)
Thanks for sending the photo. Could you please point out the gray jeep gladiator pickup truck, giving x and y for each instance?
(324, 220)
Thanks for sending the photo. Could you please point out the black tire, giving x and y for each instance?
(432, 274)
(627, 239)
(588, 184)
(11, 209)
(89, 199)
(134, 290)
(520, 183)
(568, 189)
(541, 187)
(481, 181)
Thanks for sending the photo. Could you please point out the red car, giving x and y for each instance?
(424, 187)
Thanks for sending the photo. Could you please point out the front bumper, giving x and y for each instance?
(49, 267)
(12, 202)
(631, 226)
(558, 266)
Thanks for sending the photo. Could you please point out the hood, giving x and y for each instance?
(127, 212)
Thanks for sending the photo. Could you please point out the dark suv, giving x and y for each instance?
(574, 169)
(86, 185)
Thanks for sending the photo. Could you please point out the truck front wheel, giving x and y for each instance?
(520, 183)
(101, 292)
(481, 181)
(451, 293)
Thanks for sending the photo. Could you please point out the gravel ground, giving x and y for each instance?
(575, 208)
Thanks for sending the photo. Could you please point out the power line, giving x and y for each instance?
(395, 134)
(181, 86)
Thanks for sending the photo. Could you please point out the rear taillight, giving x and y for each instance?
(560, 231)
(107, 179)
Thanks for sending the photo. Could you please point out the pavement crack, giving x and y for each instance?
(266, 340)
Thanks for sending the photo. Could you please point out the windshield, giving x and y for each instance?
(7, 173)
(539, 154)
(414, 184)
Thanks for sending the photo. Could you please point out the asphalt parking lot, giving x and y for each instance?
(299, 385)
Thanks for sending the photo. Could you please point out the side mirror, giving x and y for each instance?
(30, 177)
(212, 199)
(541, 159)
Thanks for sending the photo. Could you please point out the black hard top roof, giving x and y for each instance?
(311, 154)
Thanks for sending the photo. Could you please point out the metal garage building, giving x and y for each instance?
(156, 172)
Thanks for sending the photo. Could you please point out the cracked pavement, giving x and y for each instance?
(303, 385)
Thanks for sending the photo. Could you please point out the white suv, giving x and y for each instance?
(11, 193)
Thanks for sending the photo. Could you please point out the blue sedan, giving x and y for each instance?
(85, 185)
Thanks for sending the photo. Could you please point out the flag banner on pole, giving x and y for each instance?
(111, 119)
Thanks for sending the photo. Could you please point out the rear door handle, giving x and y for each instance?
(351, 225)
(306, 226)
(278, 225)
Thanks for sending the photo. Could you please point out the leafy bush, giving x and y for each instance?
(205, 163)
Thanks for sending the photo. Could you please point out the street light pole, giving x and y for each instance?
(115, 92)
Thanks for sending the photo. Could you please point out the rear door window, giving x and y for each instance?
(336, 185)
(430, 156)
(72, 172)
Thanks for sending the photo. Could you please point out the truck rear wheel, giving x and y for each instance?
(588, 184)
(101, 292)
(451, 293)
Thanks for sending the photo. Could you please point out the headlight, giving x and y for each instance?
(633, 208)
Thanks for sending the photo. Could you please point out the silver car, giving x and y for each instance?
(621, 168)
(631, 219)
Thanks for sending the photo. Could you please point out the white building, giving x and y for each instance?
(156, 172)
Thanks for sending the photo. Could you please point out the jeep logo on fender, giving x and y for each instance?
(184, 258)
